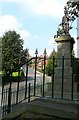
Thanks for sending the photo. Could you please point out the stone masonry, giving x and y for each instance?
(64, 48)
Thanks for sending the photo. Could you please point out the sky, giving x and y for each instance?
(35, 20)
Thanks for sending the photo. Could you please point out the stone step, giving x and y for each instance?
(55, 108)
(46, 107)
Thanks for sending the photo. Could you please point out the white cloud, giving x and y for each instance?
(51, 41)
(25, 35)
(36, 37)
(8, 22)
(49, 51)
(75, 45)
(32, 52)
(42, 7)
(47, 7)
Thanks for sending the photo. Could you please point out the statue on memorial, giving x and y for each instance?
(63, 28)
(65, 21)
(71, 12)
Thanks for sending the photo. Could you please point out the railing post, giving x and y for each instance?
(26, 80)
(72, 78)
(9, 96)
(41, 88)
(2, 103)
(18, 85)
(53, 77)
(35, 71)
(29, 92)
(62, 77)
(44, 70)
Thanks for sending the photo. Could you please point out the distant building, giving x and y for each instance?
(40, 61)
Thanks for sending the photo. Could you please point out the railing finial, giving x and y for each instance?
(36, 52)
(45, 51)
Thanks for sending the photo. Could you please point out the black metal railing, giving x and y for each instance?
(45, 86)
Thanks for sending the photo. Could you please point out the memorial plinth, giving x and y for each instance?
(64, 49)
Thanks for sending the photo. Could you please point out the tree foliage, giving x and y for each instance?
(12, 51)
(49, 66)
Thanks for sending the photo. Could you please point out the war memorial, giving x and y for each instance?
(57, 99)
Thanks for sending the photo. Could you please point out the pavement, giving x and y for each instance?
(43, 108)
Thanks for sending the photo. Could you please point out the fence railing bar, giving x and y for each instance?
(29, 92)
(26, 80)
(72, 79)
(9, 98)
(44, 74)
(35, 74)
(53, 78)
(62, 77)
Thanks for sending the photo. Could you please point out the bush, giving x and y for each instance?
(49, 67)
(22, 72)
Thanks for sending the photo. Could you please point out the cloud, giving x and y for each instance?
(47, 7)
(75, 45)
(32, 52)
(8, 22)
(41, 7)
(25, 35)
(51, 41)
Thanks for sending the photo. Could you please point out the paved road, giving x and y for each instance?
(21, 94)
(31, 77)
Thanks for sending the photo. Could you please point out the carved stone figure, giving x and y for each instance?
(65, 22)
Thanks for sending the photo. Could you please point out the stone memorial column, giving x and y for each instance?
(64, 47)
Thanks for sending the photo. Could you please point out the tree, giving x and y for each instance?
(24, 56)
(12, 52)
(49, 66)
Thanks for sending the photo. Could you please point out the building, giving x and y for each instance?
(40, 61)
